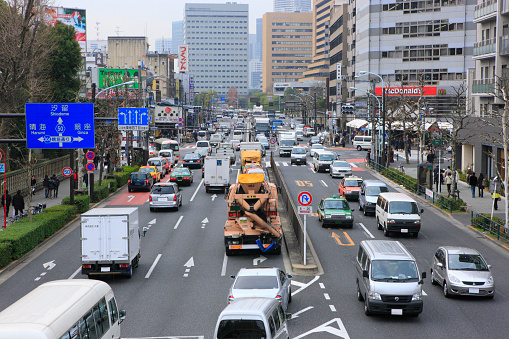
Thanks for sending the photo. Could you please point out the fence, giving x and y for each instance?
(488, 225)
(19, 180)
(400, 179)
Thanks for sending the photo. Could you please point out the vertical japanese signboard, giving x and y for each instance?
(183, 61)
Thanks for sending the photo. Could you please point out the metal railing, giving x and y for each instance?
(485, 8)
(488, 225)
(483, 85)
(485, 47)
(395, 176)
(504, 45)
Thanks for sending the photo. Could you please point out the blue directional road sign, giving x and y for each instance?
(133, 119)
(60, 126)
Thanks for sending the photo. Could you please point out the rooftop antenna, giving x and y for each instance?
(118, 31)
(97, 30)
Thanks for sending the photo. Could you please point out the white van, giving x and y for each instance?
(362, 142)
(397, 212)
(388, 279)
(253, 318)
(322, 160)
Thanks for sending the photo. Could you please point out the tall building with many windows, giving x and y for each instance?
(218, 41)
(287, 47)
(163, 46)
(259, 39)
(177, 35)
(289, 6)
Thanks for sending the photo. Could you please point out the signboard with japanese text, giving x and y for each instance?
(132, 119)
(183, 58)
(115, 76)
(167, 114)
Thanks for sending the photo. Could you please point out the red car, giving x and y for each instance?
(349, 187)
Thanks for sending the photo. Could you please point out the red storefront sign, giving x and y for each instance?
(406, 91)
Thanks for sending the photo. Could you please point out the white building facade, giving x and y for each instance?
(289, 6)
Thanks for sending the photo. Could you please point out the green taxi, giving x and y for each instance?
(335, 211)
(181, 175)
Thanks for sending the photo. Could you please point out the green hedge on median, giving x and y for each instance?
(5, 254)
(82, 202)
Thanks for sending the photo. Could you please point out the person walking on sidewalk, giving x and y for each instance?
(33, 183)
(480, 184)
(56, 182)
(45, 184)
(18, 203)
(495, 197)
(51, 188)
(6, 202)
(448, 183)
(472, 180)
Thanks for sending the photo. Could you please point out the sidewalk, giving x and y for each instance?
(477, 204)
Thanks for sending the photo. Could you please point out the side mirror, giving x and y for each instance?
(365, 274)
(423, 275)
(489, 267)
(440, 265)
(145, 229)
(288, 316)
(289, 276)
(422, 210)
(352, 209)
(232, 276)
(121, 315)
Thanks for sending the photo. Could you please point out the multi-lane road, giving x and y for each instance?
(182, 281)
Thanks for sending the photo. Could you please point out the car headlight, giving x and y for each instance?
(368, 203)
(349, 217)
(374, 296)
(490, 280)
(454, 279)
(328, 216)
(417, 222)
(416, 296)
(391, 221)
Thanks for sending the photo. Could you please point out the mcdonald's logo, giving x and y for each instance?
(442, 91)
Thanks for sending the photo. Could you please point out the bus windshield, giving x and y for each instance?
(172, 146)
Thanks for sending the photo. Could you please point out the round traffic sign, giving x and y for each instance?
(90, 155)
(90, 166)
(272, 141)
(67, 171)
(305, 198)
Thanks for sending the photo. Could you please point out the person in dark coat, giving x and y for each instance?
(6, 202)
(18, 203)
(51, 188)
(480, 184)
(472, 180)
(33, 183)
(45, 184)
(56, 183)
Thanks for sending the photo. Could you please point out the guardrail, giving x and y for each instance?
(18, 179)
(394, 176)
(488, 225)
(295, 221)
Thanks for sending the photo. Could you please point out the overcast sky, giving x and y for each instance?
(152, 18)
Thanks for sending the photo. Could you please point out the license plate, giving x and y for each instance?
(105, 269)
(473, 290)
(162, 199)
(404, 230)
(179, 179)
(396, 311)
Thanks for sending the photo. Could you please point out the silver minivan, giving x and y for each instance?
(253, 318)
(362, 142)
(397, 212)
(322, 160)
(368, 195)
(388, 279)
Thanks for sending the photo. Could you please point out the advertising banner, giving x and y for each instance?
(338, 81)
(183, 55)
(406, 91)
(110, 77)
(167, 114)
(70, 17)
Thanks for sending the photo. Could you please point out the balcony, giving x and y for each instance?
(504, 45)
(485, 11)
(483, 86)
(485, 49)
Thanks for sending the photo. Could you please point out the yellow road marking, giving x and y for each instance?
(337, 238)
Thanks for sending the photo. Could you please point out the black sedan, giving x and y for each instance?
(192, 160)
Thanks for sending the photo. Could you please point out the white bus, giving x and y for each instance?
(64, 309)
(164, 144)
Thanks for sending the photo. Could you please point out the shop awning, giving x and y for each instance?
(357, 123)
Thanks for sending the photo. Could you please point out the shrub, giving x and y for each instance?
(82, 202)
(100, 192)
(5, 254)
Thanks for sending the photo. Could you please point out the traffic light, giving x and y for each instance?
(347, 109)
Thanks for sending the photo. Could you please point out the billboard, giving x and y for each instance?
(167, 113)
(114, 76)
(183, 56)
(406, 91)
(70, 17)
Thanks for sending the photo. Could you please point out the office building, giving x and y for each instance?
(218, 41)
(289, 6)
(126, 51)
(255, 74)
(319, 68)
(163, 46)
(287, 47)
(259, 39)
(177, 35)
(252, 44)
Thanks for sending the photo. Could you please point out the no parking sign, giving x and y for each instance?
(90, 167)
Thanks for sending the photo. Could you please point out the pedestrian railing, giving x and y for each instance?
(445, 203)
(489, 225)
(395, 175)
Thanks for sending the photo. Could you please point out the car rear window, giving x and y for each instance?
(146, 169)
(259, 282)
(241, 329)
(163, 190)
(202, 144)
(154, 162)
(138, 177)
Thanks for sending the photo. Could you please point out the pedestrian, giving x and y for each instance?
(6, 201)
(336, 140)
(472, 180)
(33, 183)
(343, 142)
(18, 203)
(56, 183)
(468, 173)
(51, 187)
(448, 170)
(45, 184)
(495, 197)
(480, 184)
(448, 183)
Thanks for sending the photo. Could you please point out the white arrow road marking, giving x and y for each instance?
(332, 308)
(424, 293)
(188, 264)
(203, 222)
(303, 287)
(49, 265)
(323, 183)
(153, 266)
(296, 314)
(75, 273)
(214, 197)
(153, 221)
(366, 230)
(260, 259)
(196, 191)
(225, 263)
(178, 222)
(352, 164)
(338, 331)
(131, 197)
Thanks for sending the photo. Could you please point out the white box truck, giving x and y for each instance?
(110, 241)
(217, 172)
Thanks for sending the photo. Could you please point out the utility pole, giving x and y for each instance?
(316, 131)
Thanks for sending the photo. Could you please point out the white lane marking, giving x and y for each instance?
(296, 283)
(43, 273)
(322, 286)
(237, 179)
(75, 273)
(305, 286)
(312, 169)
(186, 275)
(225, 263)
(187, 270)
(36, 279)
(277, 163)
(178, 222)
(338, 330)
(352, 164)
(326, 296)
(366, 230)
(296, 314)
(153, 221)
(196, 191)
(323, 183)
(153, 266)
(285, 163)
(424, 293)
(332, 308)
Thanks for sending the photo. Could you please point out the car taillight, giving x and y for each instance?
(146, 181)
(86, 266)
(128, 181)
(174, 198)
(270, 213)
(234, 214)
(230, 299)
(187, 178)
(279, 298)
(173, 178)
(149, 198)
(124, 265)
(178, 156)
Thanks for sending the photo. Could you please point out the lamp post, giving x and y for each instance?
(303, 104)
(122, 84)
(379, 110)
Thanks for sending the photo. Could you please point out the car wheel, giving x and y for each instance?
(433, 280)
(491, 296)
(415, 234)
(360, 206)
(151, 209)
(366, 308)
(228, 251)
(129, 190)
(359, 148)
(177, 208)
(446, 290)
(378, 224)
(359, 294)
(386, 232)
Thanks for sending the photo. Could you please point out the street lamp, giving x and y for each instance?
(122, 84)
(379, 110)
(303, 103)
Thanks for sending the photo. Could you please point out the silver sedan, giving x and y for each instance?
(165, 195)
(462, 271)
(340, 169)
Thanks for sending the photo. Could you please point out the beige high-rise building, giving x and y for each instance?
(287, 47)
(126, 51)
(319, 68)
